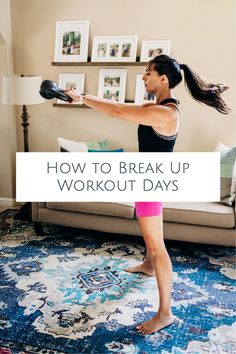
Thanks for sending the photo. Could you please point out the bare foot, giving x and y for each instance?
(156, 323)
(141, 268)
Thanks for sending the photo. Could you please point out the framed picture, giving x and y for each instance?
(151, 49)
(141, 95)
(114, 49)
(112, 84)
(69, 81)
(71, 42)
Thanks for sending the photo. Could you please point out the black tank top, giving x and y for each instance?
(151, 141)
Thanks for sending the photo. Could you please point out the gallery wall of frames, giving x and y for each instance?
(71, 49)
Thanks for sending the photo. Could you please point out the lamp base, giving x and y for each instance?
(25, 213)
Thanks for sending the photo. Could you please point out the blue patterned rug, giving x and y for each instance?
(67, 292)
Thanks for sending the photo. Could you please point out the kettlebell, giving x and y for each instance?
(50, 90)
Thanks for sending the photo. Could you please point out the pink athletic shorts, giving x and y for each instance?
(148, 208)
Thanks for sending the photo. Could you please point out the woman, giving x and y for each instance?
(157, 132)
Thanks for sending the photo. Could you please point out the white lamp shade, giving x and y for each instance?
(17, 90)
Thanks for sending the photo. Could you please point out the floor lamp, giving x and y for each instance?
(22, 90)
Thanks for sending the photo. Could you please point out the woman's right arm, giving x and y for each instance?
(151, 115)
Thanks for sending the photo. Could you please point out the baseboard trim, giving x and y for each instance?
(8, 202)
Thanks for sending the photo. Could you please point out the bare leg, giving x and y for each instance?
(146, 267)
(152, 228)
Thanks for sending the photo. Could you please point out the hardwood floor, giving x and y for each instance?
(3, 207)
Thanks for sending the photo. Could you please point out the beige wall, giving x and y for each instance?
(202, 34)
(7, 114)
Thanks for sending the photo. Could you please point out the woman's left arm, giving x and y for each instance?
(152, 115)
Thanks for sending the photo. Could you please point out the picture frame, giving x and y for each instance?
(114, 48)
(112, 84)
(150, 49)
(71, 41)
(71, 80)
(141, 95)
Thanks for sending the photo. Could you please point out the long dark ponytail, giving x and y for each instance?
(204, 92)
